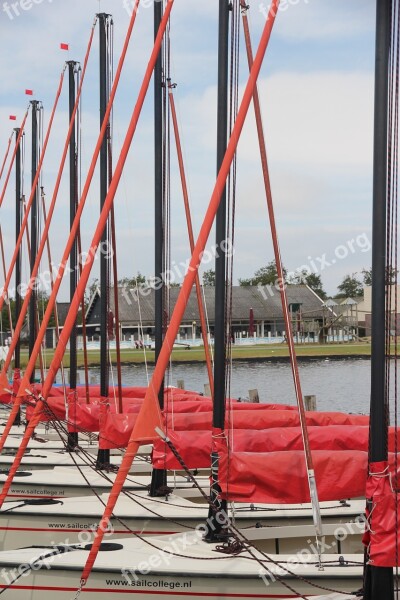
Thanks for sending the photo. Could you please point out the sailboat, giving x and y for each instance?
(181, 564)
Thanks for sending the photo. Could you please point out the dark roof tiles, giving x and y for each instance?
(135, 306)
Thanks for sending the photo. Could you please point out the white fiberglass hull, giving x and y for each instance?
(278, 529)
(64, 482)
(177, 566)
(49, 459)
(13, 443)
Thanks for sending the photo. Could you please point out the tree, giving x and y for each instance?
(264, 276)
(391, 276)
(4, 317)
(351, 287)
(367, 276)
(313, 281)
(91, 290)
(133, 281)
(209, 278)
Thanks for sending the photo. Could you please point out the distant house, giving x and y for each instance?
(62, 311)
(341, 319)
(136, 311)
(365, 309)
(344, 310)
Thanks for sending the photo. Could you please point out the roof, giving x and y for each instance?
(62, 311)
(265, 302)
(342, 306)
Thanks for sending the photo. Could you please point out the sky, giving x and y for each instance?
(316, 89)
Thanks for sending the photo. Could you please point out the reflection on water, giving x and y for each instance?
(342, 385)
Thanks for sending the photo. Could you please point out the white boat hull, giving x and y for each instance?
(197, 572)
(71, 520)
(64, 482)
(44, 586)
(13, 443)
(48, 459)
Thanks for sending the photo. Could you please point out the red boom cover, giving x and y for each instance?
(281, 477)
(382, 537)
(263, 419)
(195, 447)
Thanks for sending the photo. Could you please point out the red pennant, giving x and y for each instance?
(64, 46)
(29, 92)
(13, 118)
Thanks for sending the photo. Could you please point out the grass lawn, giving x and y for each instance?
(260, 352)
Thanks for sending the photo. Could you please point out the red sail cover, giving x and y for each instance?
(195, 449)
(7, 398)
(281, 477)
(382, 537)
(85, 417)
(263, 419)
(56, 406)
(55, 409)
(132, 392)
(115, 430)
(94, 391)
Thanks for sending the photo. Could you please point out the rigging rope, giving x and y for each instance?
(141, 330)
(56, 319)
(240, 537)
(78, 166)
(231, 209)
(6, 154)
(105, 333)
(284, 300)
(117, 328)
(14, 154)
(32, 194)
(42, 244)
(39, 293)
(203, 322)
(36, 324)
(166, 190)
(391, 275)
(233, 530)
(112, 239)
(3, 263)
(144, 426)
(58, 355)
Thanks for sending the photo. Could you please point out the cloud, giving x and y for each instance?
(318, 122)
(301, 20)
(321, 119)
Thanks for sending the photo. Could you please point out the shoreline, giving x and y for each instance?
(262, 359)
(270, 353)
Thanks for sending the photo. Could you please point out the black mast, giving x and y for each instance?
(73, 436)
(159, 476)
(18, 299)
(103, 458)
(220, 260)
(379, 581)
(34, 226)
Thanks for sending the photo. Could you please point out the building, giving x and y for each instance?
(365, 309)
(259, 305)
(51, 335)
(340, 320)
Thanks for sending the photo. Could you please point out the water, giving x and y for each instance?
(340, 385)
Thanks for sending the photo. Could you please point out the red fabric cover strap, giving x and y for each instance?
(382, 538)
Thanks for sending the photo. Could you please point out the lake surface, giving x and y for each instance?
(340, 385)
